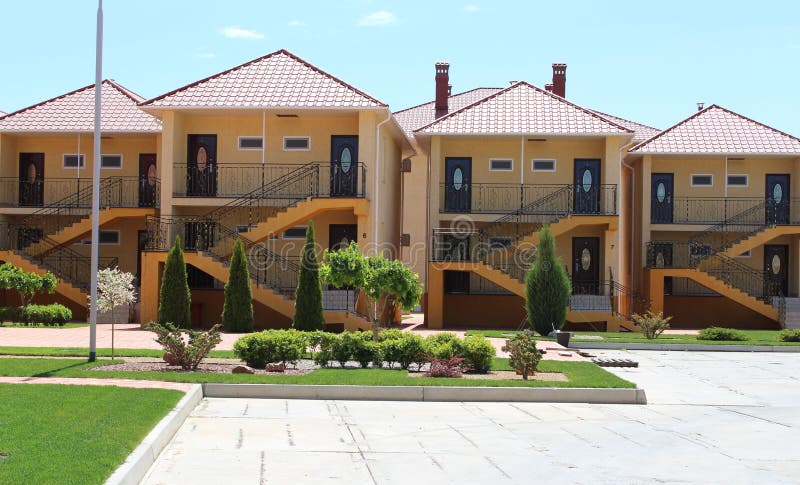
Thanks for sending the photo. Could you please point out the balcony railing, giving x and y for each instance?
(233, 180)
(745, 211)
(529, 199)
(128, 191)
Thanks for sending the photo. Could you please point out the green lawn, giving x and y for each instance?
(73, 434)
(757, 337)
(38, 325)
(580, 374)
(84, 352)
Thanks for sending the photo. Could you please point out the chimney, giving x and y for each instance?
(442, 88)
(700, 106)
(548, 87)
(560, 80)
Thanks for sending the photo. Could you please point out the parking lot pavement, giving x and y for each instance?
(712, 418)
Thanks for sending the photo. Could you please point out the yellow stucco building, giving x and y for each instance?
(456, 188)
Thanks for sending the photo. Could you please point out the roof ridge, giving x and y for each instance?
(671, 128)
(135, 97)
(624, 119)
(451, 96)
(46, 101)
(529, 85)
(256, 60)
(746, 118)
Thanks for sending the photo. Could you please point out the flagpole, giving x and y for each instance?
(98, 88)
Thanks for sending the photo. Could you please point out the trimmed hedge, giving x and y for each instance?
(789, 335)
(720, 333)
(51, 315)
(262, 348)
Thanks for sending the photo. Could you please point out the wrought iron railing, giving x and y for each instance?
(606, 296)
(131, 191)
(528, 199)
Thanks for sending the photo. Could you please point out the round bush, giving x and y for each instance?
(443, 345)
(406, 350)
(478, 353)
(789, 335)
(261, 348)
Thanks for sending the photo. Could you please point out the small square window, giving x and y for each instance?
(296, 232)
(543, 165)
(73, 161)
(738, 180)
(240, 228)
(501, 164)
(108, 237)
(251, 143)
(703, 180)
(110, 161)
(296, 143)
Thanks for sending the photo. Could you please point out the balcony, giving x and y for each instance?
(745, 211)
(130, 191)
(234, 180)
(476, 198)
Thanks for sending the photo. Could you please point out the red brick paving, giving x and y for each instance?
(176, 386)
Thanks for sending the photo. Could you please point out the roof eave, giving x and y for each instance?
(604, 134)
(718, 154)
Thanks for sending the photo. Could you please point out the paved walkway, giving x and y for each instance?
(713, 418)
(177, 386)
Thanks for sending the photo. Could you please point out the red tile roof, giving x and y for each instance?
(418, 116)
(716, 130)
(277, 80)
(523, 109)
(74, 111)
(641, 132)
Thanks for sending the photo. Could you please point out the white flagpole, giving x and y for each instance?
(98, 88)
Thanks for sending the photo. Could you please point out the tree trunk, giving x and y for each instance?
(112, 333)
(524, 373)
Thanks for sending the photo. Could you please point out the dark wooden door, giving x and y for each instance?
(201, 166)
(344, 165)
(662, 258)
(662, 186)
(456, 282)
(777, 198)
(148, 179)
(341, 235)
(585, 265)
(457, 179)
(776, 264)
(31, 179)
(587, 186)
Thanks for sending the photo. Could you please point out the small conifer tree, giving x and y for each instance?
(175, 298)
(308, 299)
(237, 311)
(547, 287)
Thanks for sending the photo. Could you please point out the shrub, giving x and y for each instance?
(175, 299)
(262, 348)
(327, 343)
(652, 324)
(188, 351)
(390, 334)
(547, 287)
(314, 339)
(362, 348)
(789, 335)
(407, 350)
(53, 314)
(523, 355)
(308, 297)
(449, 367)
(11, 314)
(478, 353)
(27, 285)
(443, 345)
(720, 333)
(237, 311)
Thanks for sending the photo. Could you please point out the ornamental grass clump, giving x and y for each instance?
(652, 324)
(722, 334)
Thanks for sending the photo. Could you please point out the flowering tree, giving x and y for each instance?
(114, 288)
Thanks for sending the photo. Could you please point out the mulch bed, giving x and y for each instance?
(506, 375)
(206, 368)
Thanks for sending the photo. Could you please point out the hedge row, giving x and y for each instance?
(51, 315)
(394, 348)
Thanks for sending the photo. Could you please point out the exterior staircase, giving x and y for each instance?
(792, 313)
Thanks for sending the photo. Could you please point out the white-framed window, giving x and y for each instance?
(745, 254)
(111, 161)
(240, 228)
(107, 237)
(543, 165)
(738, 180)
(73, 160)
(251, 143)
(702, 180)
(499, 242)
(297, 143)
(501, 164)
(296, 232)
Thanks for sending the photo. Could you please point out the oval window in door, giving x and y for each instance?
(587, 180)
(151, 175)
(777, 193)
(660, 260)
(776, 263)
(586, 259)
(346, 159)
(661, 192)
(458, 178)
(202, 158)
(32, 172)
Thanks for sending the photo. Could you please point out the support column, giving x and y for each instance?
(435, 307)
(655, 287)
(150, 283)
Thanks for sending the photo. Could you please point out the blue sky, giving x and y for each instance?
(647, 61)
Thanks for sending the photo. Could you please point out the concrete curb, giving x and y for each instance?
(428, 393)
(690, 347)
(138, 463)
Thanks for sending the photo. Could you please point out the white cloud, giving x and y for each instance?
(471, 8)
(235, 32)
(374, 19)
(296, 23)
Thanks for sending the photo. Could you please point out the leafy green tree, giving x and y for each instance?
(26, 284)
(547, 287)
(308, 297)
(175, 298)
(386, 284)
(237, 311)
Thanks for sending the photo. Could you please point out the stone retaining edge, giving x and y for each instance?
(138, 463)
(684, 347)
(427, 393)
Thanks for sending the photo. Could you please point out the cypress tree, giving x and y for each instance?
(547, 287)
(308, 297)
(175, 298)
(237, 312)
